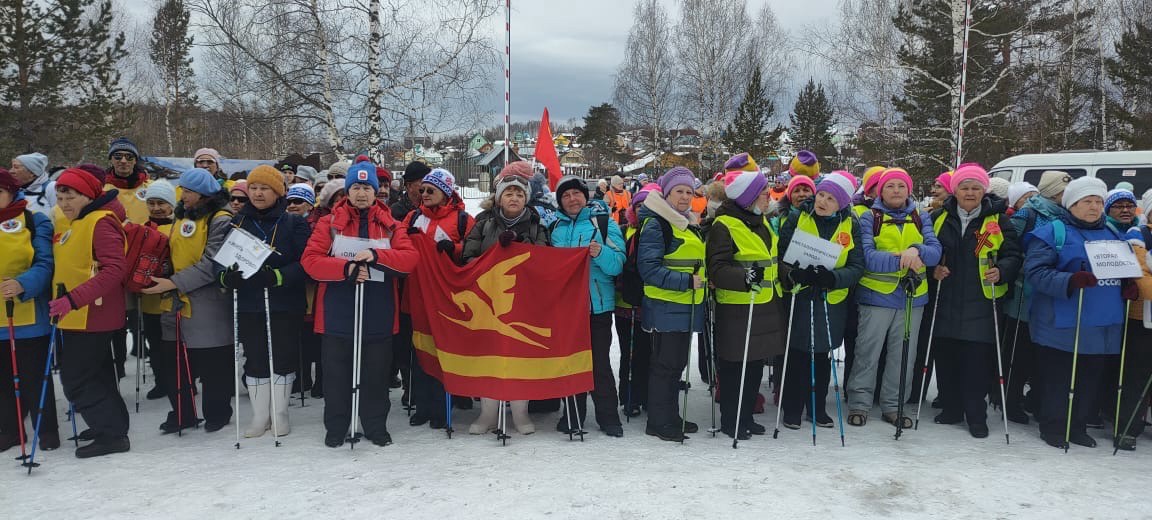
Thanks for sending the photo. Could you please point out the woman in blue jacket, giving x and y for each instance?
(25, 279)
(581, 223)
(1066, 293)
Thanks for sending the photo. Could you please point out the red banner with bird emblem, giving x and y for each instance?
(512, 324)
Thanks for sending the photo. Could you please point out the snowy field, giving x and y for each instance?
(936, 472)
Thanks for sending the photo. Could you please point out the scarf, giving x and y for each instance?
(509, 222)
(13, 210)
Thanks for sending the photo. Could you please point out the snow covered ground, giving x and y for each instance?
(935, 472)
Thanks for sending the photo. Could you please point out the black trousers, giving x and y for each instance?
(729, 375)
(154, 336)
(213, 367)
(86, 371)
(120, 339)
(427, 393)
(309, 354)
(1137, 371)
(1054, 374)
(635, 355)
(604, 392)
(285, 343)
(31, 356)
(163, 355)
(1019, 359)
(669, 357)
(375, 376)
(798, 386)
(965, 370)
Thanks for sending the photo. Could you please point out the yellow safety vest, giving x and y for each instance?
(687, 258)
(75, 262)
(751, 250)
(628, 232)
(842, 236)
(991, 238)
(186, 242)
(16, 243)
(860, 210)
(134, 201)
(155, 303)
(894, 238)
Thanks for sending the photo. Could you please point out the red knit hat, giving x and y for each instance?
(81, 182)
(8, 182)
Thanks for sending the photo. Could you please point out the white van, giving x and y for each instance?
(1111, 167)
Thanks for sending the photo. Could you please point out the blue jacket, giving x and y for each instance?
(661, 315)
(288, 235)
(37, 280)
(885, 262)
(1041, 211)
(1053, 312)
(579, 232)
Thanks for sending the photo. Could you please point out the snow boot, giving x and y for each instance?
(104, 446)
(520, 418)
(260, 395)
(283, 389)
(489, 408)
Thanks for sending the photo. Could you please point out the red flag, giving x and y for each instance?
(546, 152)
(487, 330)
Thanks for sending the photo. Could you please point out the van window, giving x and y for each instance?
(1033, 176)
(1003, 174)
(1140, 178)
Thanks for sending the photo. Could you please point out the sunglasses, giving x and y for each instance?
(123, 157)
(427, 191)
(240, 199)
(296, 201)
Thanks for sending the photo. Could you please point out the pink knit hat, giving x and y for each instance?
(797, 181)
(894, 174)
(969, 172)
(945, 180)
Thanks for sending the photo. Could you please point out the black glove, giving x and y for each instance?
(266, 277)
(413, 230)
(824, 278)
(231, 278)
(352, 270)
(446, 246)
(806, 276)
(754, 276)
(507, 237)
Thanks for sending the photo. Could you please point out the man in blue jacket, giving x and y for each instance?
(581, 223)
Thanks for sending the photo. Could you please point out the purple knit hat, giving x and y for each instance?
(839, 186)
(744, 188)
(677, 176)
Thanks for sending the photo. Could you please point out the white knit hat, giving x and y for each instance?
(1018, 190)
(162, 190)
(1083, 187)
(999, 187)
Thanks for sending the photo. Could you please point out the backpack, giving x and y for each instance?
(628, 283)
(146, 248)
(878, 220)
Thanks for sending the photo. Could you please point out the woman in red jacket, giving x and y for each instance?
(389, 254)
(442, 219)
(89, 250)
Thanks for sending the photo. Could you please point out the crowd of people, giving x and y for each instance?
(988, 287)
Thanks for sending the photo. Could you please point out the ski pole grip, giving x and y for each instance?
(61, 290)
(10, 307)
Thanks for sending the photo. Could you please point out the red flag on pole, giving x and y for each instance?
(546, 152)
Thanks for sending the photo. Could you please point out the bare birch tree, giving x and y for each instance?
(644, 89)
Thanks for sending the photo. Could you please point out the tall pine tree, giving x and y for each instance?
(170, 50)
(811, 120)
(59, 85)
(1131, 69)
(749, 131)
(600, 140)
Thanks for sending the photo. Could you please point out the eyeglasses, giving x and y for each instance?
(427, 191)
(382, 196)
(242, 200)
(204, 162)
(294, 202)
(126, 157)
(1124, 207)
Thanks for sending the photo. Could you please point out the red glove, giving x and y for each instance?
(1129, 290)
(59, 307)
(1082, 280)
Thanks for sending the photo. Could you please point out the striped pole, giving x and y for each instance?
(507, 75)
(963, 83)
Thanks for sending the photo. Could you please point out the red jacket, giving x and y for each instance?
(335, 297)
(445, 217)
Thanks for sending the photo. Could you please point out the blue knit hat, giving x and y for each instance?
(362, 173)
(123, 144)
(199, 181)
(302, 191)
(442, 180)
(1117, 195)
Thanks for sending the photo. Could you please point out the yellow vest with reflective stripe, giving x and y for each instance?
(751, 249)
(860, 210)
(894, 238)
(16, 244)
(995, 239)
(76, 262)
(687, 258)
(842, 236)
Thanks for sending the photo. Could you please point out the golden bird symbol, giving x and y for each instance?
(497, 285)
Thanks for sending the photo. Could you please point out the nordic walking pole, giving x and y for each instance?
(631, 374)
(927, 356)
(714, 387)
(754, 290)
(1120, 382)
(136, 340)
(271, 366)
(1141, 404)
(835, 377)
(179, 379)
(910, 294)
(1075, 357)
(784, 367)
(448, 413)
(1015, 334)
(31, 462)
(236, 360)
(301, 375)
(10, 310)
(999, 356)
(688, 365)
(357, 330)
(812, 361)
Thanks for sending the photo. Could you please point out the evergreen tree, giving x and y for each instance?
(600, 140)
(59, 85)
(749, 132)
(169, 50)
(1131, 70)
(811, 120)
